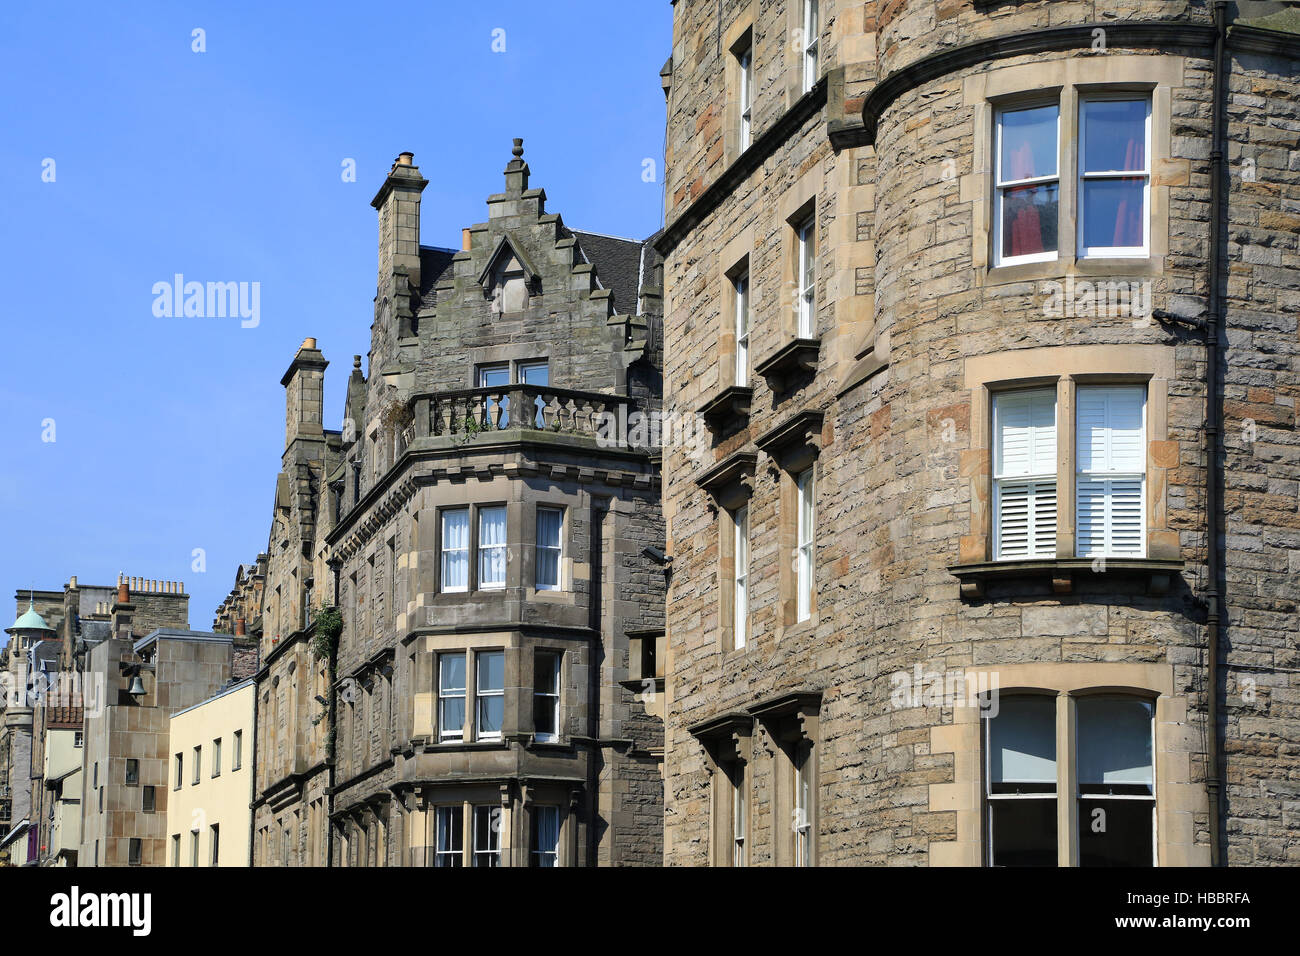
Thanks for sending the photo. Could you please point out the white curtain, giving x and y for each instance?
(455, 550)
(492, 547)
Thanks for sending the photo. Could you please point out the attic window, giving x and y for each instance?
(509, 287)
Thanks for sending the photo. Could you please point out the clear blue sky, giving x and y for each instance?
(226, 166)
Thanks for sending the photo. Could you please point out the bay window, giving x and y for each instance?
(1111, 770)
(1024, 474)
(1110, 462)
(490, 668)
(1114, 175)
(1026, 184)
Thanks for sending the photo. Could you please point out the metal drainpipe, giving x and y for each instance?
(1213, 429)
(252, 817)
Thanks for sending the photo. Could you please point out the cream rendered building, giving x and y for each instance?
(208, 814)
(62, 776)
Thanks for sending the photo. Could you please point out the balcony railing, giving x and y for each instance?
(469, 412)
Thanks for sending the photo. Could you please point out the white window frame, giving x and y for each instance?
(811, 44)
(485, 551)
(1114, 252)
(237, 757)
(741, 284)
(490, 854)
(1080, 796)
(805, 541)
(550, 696)
(216, 757)
(1000, 187)
(745, 63)
(740, 576)
(1110, 476)
(806, 306)
(452, 855)
(448, 734)
(556, 549)
(990, 798)
(1038, 484)
(482, 695)
(739, 818)
(444, 552)
(803, 832)
(542, 857)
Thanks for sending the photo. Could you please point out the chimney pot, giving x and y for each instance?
(309, 343)
(406, 159)
(123, 592)
(240, 625)
(464, 240)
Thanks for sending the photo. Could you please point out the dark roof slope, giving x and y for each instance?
(434, 264)
(618, 266)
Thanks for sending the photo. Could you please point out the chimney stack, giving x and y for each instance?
(304, 397)
(398, 203)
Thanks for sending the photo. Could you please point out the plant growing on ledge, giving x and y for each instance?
(329, 625)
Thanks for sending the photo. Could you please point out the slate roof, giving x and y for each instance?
(434, 264)
(618, 266)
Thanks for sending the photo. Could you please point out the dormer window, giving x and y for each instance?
(510, 290)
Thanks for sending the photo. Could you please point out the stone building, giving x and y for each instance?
(965, 291)
(486, 520)
(129, 766)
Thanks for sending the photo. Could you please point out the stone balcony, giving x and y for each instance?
(528, 413)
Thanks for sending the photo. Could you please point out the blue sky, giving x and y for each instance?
(226, 165)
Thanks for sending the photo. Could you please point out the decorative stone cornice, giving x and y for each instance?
(1162, 35)
(797, 439)
(731, 479)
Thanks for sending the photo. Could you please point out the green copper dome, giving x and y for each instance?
(30, 621)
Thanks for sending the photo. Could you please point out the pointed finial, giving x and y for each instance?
(518, 151)
(356, 361)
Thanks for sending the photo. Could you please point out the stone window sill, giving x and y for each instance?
(797, 357)
(1062, 571)
(728, 410)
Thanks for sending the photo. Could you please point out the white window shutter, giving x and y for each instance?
(1110, 512)
(1026, 433)
(1025, 474)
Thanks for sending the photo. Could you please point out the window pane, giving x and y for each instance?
(448, 850)
(1116, 832)
(492, 547)
(1023, 832)
(1025, 424)
(451, 673)
(538, 373)
(487, 836)
(1114, 135)
(1029, 220)
(1028, 143)
(493, 376)
(1110, 434)
(549, 523)
(546, 835)
(455, 549)
(1114, 735)
(491, 672)
(1112, 212)
(1022, 744)
(546, 673)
